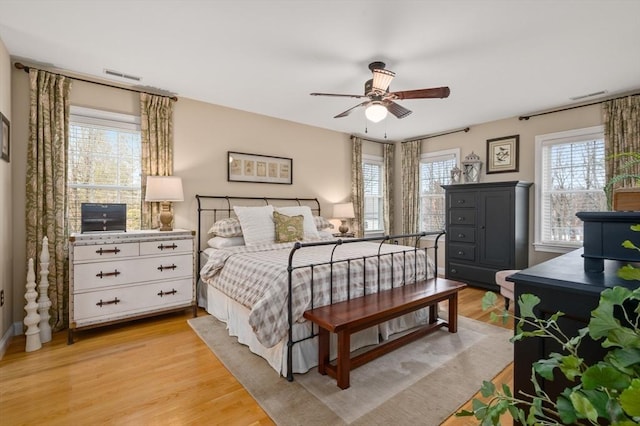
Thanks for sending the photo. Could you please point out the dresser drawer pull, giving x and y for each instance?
(460, 201)
(172, 246)
(460, 219)
(108, 302)
(102, 251)
(460, 252)
(460, 235)
(162, 268)
(454, 271)
(108, 274)
(164, 293)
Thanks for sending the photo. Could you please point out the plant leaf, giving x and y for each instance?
(630, 399)
(566, 410)
(583, 407)
(526, 303)
(604, 375)
(489, 300)
(487, 389)
(629, 273)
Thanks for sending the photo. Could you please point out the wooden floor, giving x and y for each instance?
(153, 371)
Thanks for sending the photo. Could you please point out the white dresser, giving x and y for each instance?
(119, 276)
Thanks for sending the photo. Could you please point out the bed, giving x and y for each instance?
(260, 288)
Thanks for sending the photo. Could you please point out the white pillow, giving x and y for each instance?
(223, 242)
(257, 224)
(324, 235)
(309, 224)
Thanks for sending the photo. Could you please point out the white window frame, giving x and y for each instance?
(576, 135)
(434, 156)
(375, 159)
(108, 120)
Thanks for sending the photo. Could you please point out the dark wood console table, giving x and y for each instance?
(562, 285)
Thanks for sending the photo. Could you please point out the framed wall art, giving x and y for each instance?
(243, 167)
(5, 142)
(502, 154)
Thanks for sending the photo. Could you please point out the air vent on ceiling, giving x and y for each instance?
(122, 75)
(590, 95)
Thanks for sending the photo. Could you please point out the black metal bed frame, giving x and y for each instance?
(228, 210)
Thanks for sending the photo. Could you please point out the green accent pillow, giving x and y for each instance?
(288, 228)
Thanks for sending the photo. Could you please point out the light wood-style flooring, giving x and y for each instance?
(148, 372)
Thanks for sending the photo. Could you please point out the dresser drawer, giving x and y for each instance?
(130, 300)
(462, 251)
(462, 217)
(462, 199)
(462, 234)
(87, 276)
(166, 247)
(462, 272)
(105, 251)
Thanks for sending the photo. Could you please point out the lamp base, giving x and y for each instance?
(166, 217)
(343, 228)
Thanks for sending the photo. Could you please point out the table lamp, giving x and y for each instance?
(164, 189)
(343, 211)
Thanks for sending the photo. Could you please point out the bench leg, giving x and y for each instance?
(453, 313)
(344, 359)
(323, 350)
(433, 313)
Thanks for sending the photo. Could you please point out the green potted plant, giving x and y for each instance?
(607, 392)
(630, 160)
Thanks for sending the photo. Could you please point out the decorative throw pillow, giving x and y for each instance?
(322, 223)
(310, 230)
(228, 227)
(257, 224)
(288, 228)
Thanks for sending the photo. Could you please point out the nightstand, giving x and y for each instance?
(347, 235)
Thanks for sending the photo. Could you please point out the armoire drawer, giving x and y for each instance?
(462, 234)
(131, 300)
(462, 251)
(87, 276)
(462, 199)
(462, 217)
(460, 271)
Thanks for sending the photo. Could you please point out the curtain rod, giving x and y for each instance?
(26, 69)
(374, 141)
(466, 130)
(526, 117)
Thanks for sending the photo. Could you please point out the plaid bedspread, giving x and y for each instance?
(256, 277)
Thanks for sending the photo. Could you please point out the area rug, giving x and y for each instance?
(421, 383)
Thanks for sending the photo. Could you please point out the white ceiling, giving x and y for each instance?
(500, 58)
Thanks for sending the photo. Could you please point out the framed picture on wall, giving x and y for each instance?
(502, 154)
(243, 167)
(5, 142)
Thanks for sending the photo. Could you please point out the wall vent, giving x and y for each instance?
(590, 95)
(122, 75)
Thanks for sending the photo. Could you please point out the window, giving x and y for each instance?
(435, 170)
(373, 177)
(104, 163)
(570, 177)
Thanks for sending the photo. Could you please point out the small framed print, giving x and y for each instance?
(243, 167)
(5, 142)
(502, 154)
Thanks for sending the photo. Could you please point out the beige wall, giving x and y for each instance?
(203, 133)
(476, 140)
(6, 237)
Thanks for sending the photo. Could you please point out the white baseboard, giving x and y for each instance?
(6, 339)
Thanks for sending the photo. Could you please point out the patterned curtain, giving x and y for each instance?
(410, 187)
(357, 187)
(387, 213)
(156, 124)
(622, 139)
(46, 189)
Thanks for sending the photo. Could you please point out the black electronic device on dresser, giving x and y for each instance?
(487, 228)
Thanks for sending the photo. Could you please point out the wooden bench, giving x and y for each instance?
(348, 317)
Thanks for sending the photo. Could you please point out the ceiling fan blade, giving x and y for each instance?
(347, 112)
(338, 95)
(397, 110)
(434, 92)
(382, 79)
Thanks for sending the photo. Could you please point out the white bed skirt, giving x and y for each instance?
(305, 353)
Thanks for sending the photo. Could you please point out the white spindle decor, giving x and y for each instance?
(44, 303)
(32, 319)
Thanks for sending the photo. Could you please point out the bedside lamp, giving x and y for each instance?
(343, 211)
(164, 189)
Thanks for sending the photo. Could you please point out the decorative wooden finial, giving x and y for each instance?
(44, 303)
(32, 319)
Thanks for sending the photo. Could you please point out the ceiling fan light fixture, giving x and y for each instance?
(382, 79)
(376, 112)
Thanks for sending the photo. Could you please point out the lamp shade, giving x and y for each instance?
(376, 112)
(343, 211)
(164, 188)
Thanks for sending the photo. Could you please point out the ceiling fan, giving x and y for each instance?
(380, 100)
